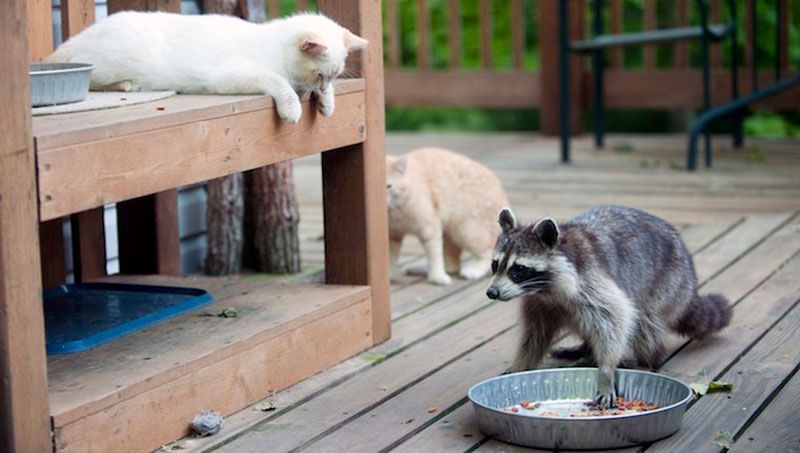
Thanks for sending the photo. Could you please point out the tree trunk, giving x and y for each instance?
(224, 225)
(273, 219)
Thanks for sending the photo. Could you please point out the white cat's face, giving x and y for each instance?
(323, 47)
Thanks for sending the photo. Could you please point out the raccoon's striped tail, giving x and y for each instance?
(704, 316)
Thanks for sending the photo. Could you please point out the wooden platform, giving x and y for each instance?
(740, 221)
(135, 393)
(138, 150)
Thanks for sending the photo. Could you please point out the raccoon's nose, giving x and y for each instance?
(492, 293)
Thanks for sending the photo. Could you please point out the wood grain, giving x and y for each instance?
(199, 150)
(115, 6)
(51, 253)
(616, 12)
(486, 29)
(76, 15)
(682, 12)
(40, 29)
(649, 23)
(354, 178)
(775, 429)
(25, 426)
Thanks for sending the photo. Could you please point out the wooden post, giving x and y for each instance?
(354, 178)
(550, 76)
(88, 227)
(147, 233)
(25, 420)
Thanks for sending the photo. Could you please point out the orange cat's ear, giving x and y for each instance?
(354, 42)
(399, 165)
(313, 47)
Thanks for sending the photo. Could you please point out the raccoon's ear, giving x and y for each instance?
(546, 231)
(506, 220)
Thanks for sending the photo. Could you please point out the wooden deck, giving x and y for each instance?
(740, 220)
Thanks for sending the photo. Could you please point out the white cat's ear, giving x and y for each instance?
(313, 47)
(399, 165)
(354, 42)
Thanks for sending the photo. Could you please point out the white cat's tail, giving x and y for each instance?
(63, 54)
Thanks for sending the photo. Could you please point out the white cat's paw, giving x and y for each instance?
(473, 270)
(290, 109)
(440, 279)
(325, 102)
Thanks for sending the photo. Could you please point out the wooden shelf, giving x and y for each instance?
(88, 159)
(143, 390)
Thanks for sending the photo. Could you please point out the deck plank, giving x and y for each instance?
(760, 365)
(775, 429)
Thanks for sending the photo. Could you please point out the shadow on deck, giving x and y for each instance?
(740, 220)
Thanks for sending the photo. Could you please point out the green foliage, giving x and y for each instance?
(773, 125)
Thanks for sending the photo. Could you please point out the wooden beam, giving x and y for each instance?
(51, 253)
(40, 29)
(682, 47)
(715, 17)
(489, 89)
(229, 143)
(550, 76)
(88, 244)
(75, 16)
(25, 423)
(617, 11)
(354, 179)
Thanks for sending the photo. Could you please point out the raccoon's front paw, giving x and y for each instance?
(606, 398)
(440, 279)
(326, 101)
(290, 108)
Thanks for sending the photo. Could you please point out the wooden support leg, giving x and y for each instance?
(25, 421)
(51, 253)
(354, 178)
(88, 244)
(148, 235)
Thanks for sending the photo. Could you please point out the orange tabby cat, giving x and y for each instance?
(449, 202)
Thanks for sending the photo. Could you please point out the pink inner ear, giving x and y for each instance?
(313, 48)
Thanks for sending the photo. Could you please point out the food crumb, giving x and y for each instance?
(432, 409)
(160, 108)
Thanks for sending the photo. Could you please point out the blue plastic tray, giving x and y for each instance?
(81, 316)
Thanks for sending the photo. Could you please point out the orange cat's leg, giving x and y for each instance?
(452, 256)
(478, 267)
(433, 242)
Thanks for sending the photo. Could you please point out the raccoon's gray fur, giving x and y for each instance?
(617, 276)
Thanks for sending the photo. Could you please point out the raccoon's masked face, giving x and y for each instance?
(522, 258)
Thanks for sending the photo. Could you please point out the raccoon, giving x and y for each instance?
(616, 276)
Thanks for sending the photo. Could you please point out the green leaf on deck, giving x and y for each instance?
(701, 389)
(724, 439)
(372, 358)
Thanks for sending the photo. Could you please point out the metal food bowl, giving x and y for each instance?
(59, 83)
(491, 397)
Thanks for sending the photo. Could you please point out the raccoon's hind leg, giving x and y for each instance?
(648, 346)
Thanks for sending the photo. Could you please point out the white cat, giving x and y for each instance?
(214, 54)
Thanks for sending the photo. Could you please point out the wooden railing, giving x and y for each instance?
(664, 77)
